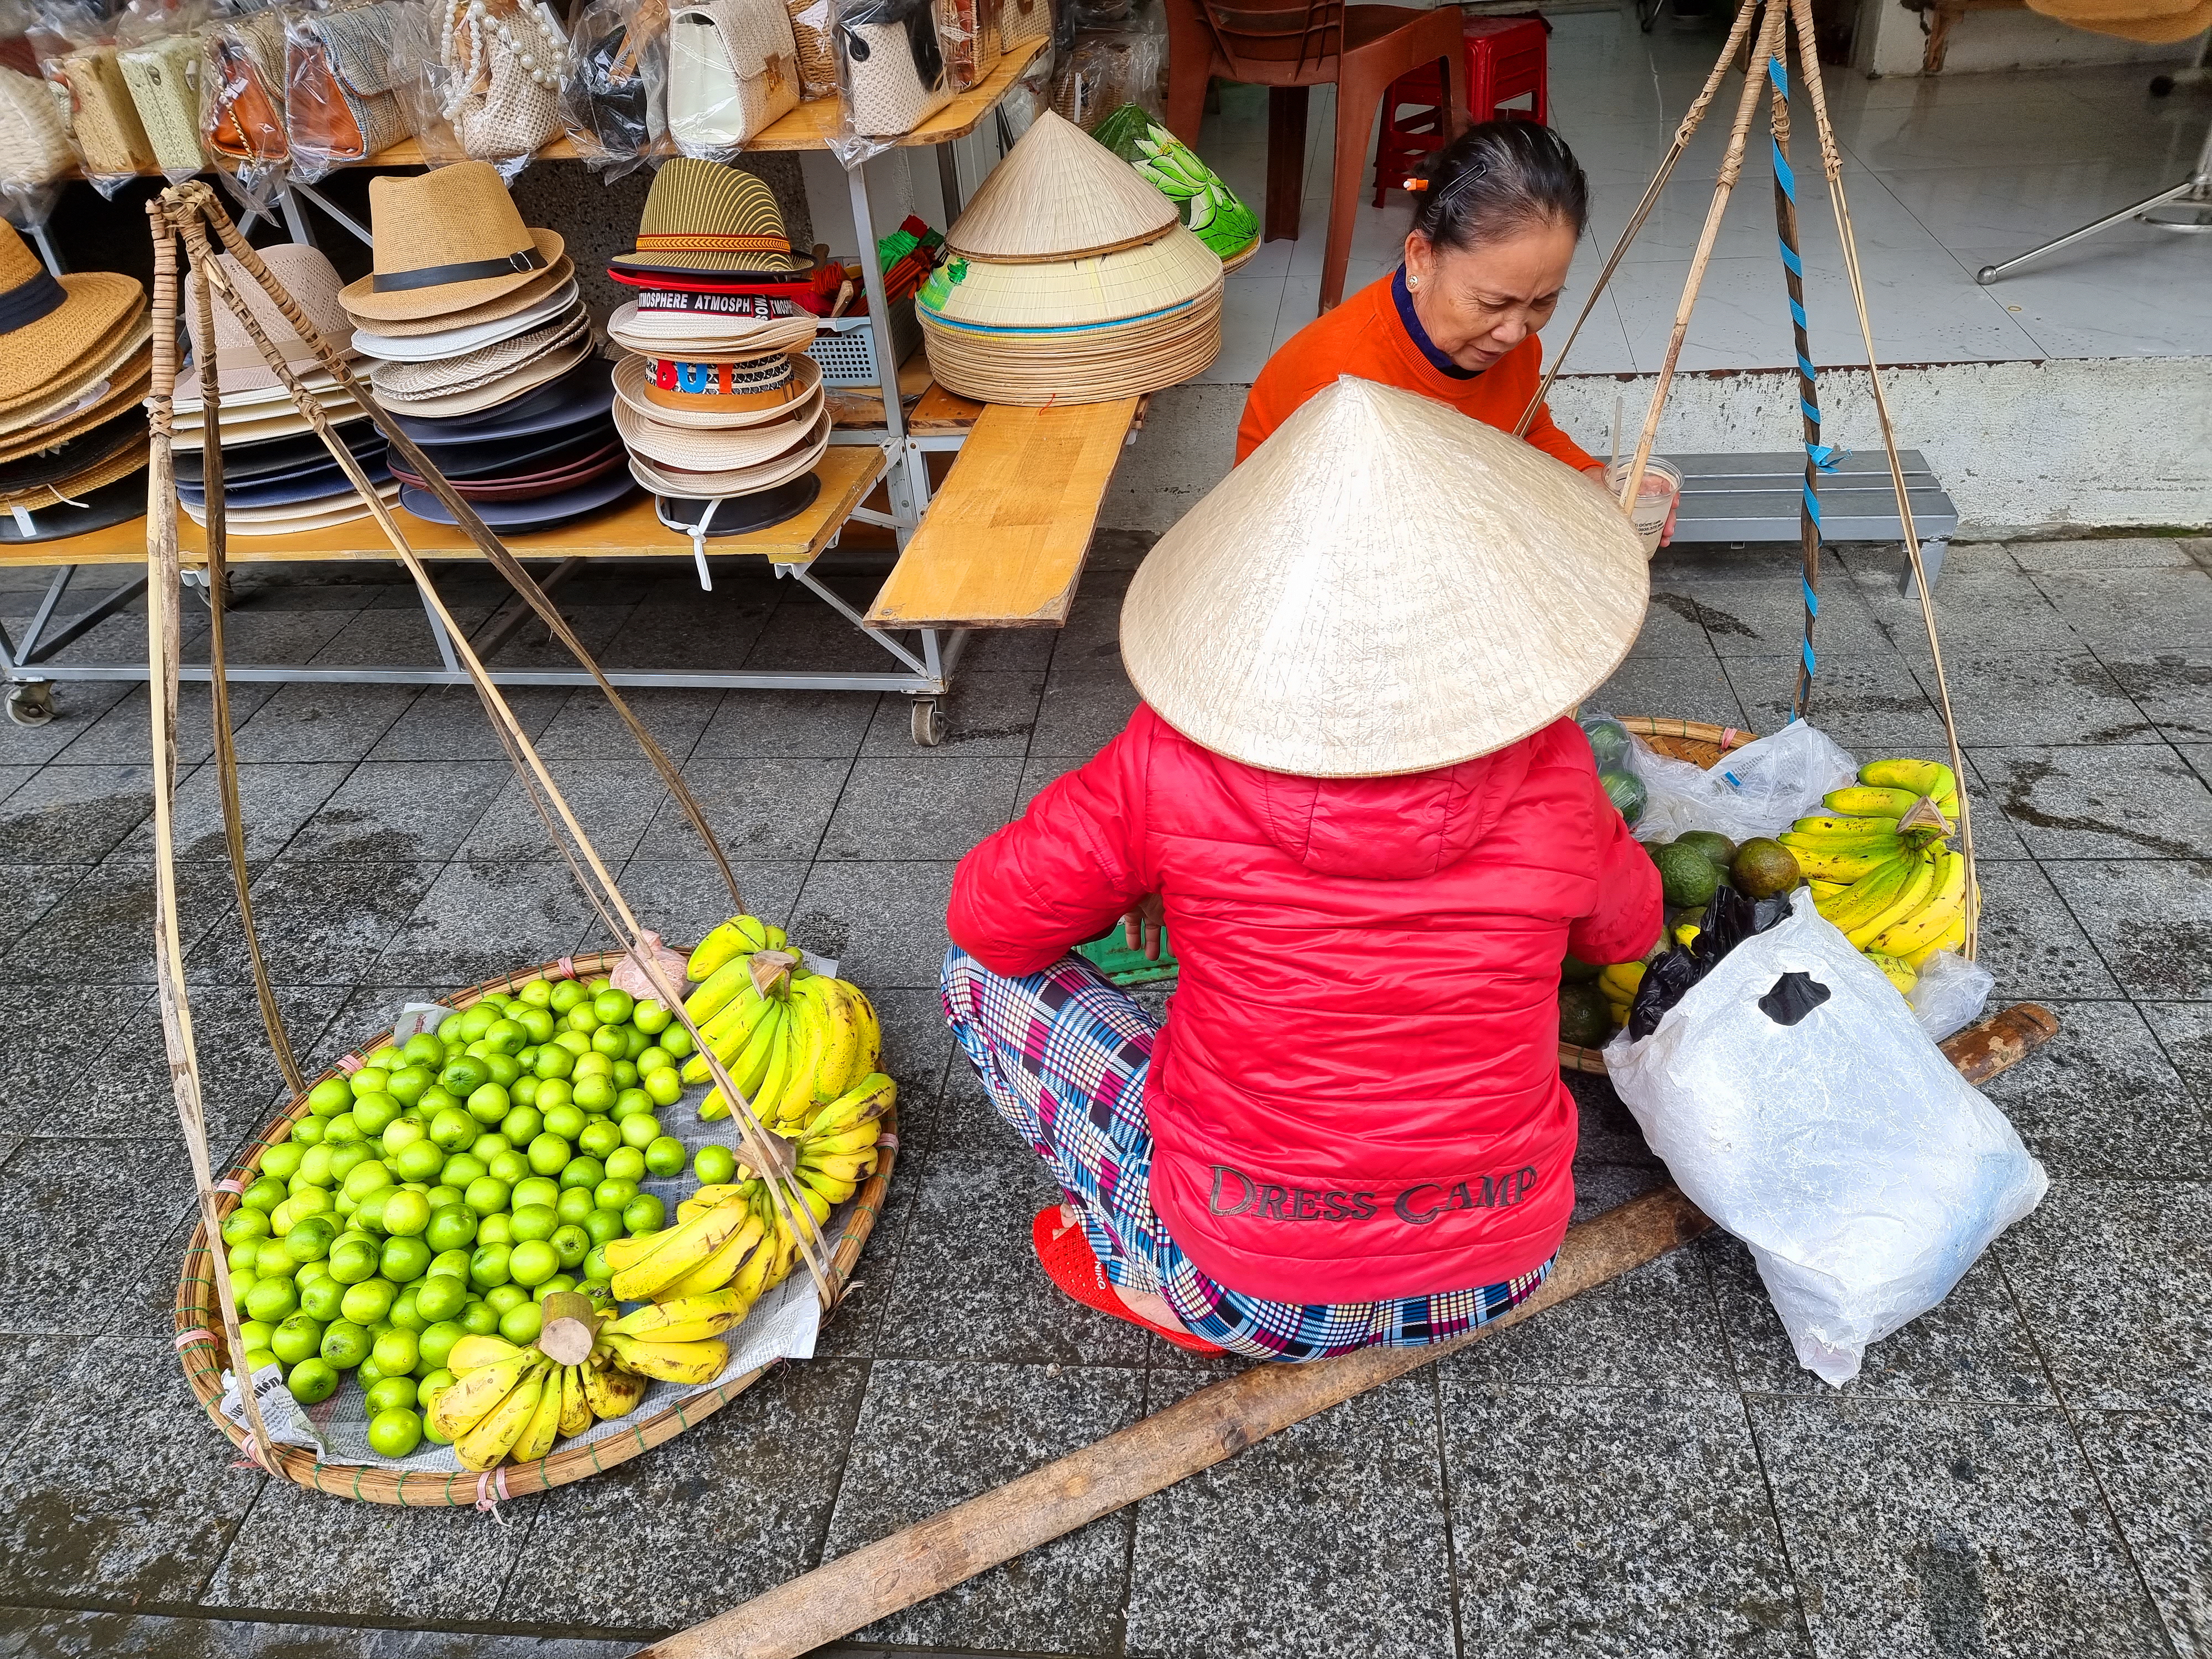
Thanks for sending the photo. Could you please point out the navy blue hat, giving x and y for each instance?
(733, 515)
(308, 484)
(586, 390)
(538, 514)
(111, 504)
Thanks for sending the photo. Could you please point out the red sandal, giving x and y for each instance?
(1067, 1260)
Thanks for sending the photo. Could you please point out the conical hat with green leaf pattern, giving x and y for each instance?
(1209, 209)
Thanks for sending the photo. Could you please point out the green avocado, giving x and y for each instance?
(1719, 850)
(1608, 741)
(1686, 876)
(1625, 791)
(1576, 971)
(1584, 1020)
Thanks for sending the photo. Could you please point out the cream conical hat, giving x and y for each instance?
(1385, 585)
(1059, 194)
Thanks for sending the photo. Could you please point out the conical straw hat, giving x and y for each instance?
(1385, 585)
(1059, 194)
(1168, 271)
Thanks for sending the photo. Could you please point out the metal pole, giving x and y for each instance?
(2195, 190)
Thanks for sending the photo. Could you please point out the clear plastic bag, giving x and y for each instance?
(733, 72)
(242, 99)
(892, 74)
(1797, 1101)
(486, 78)
(77, 50)
(161, 62)
(970, 30)
(1107, 70)
(343, 101)
(614, 101)
(1950, 993)
(36, 155)
(1759, 789)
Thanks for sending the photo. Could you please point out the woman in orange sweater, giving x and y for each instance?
(1494, 229)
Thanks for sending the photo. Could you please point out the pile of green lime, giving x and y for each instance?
(450, 1184)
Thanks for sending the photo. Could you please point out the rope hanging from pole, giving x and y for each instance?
(1819, 456)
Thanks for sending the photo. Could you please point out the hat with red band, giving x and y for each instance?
(702, 218)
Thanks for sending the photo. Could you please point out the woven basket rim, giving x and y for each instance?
(1591, 1062)
(199, 1337)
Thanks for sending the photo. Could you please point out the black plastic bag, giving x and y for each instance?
(1729, 920)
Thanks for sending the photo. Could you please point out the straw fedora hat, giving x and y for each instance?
(306, 273)
(127, 385)
(1170, 270)
(121, 464)
(49, 322)
(454, 342)
(677, 333)
(631, 389)
(1385, 585)
(438, 376)
(447, 240)
(703, 218)
(695, 484)
(1059, 195)
(505, 387)
(562, 273)
(723, 450)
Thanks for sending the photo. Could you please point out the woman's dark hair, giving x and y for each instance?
(1498, 177)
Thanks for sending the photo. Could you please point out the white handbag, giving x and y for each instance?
(733, 71)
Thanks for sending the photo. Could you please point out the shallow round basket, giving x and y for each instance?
(200, 1341)
(1698, 743)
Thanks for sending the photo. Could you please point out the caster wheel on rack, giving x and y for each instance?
(30, 704)
(928, 722)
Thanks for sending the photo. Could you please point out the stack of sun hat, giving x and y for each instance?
(277, 476)
(75, 365)
(1069, 279)
(483, 350)
(722, 409)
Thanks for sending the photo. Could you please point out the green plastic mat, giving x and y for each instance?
(1113, 959)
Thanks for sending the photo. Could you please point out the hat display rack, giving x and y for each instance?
(190, 213)
(1768, 27)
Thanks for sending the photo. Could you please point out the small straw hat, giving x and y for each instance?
(675, 333)
(440, 376)
(49, 324)
(127, 385)
(91, 378)
(1384, 586)
(1059, 195)
(701, 216)
(631, 388)
(694, 483)
(306, 273)
(508, 387)
(447, 240)
(1170, 270)
(727, 450)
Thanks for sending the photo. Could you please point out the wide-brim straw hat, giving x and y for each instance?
(725, 449)
(1385, 585)
(1059, 365)
(89, 380)
(511, 386)
(112, 504)
(630, 390)
(674, 333)
(325, 514)
(1171, 270)
(458, 342)
(701, 216)
(64, 460)
(399, 383)
(307, 274)
(446, 240)
(129, 385)
(560, 275)
(48, 324)
(695, 484)
(287, 424)
(260, 401)
(124, 460)
(1059, 194)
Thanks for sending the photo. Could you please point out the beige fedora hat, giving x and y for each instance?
(1059, 194)
(805, 390)
(307, 274)
(692, 483)
(677, 333)
(542, 285)
(447, 240)
(127, 385)
(726, 449)
(439, 377)
(1385, 585)
(516, 382)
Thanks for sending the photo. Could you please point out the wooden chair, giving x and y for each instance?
(1288, 46)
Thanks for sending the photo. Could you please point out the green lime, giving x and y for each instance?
(498, 1228)
(479, 1318)
(566, 1121)
(296, 1339)
(423, 1049)
(436, 1342)
(440, 1297)
(405, 1258)
(314, 1168)
(678, 1042)
(510, 1166)
(367, 1302)
(342, 1130)
(490, 1144)
(406, 1214)
(626, 1163)
(641, 1130)
(366, 1177)
(368, 1214)
(597, 1094)
(255, 1334)
(631, 1099)
(462, 1168)
(470, 1024)
(505, 1070)
(613, 1193)
(394, 1352)
(576, 1043)
(523, 1091)
(372, 1078)
(644, 1214)
(283, 1160)
(488, 1267)
(604, 1226)
(452, 1131)
(320, 1298)
(390, 1391)
(407, 1083)
(533, 1222)
(353, 1259)
(462, 1076)
(486, 1194)
(395, 1433)
(582, 1018)
(436, 1100)
(307, 1131)
(406, 1315)
(714, 1164)
(597, 1270)
(420, 1161)
(272, 1301)
(405, 1130)
(310, 1240)
(553, 1061)
(575, 1203)
(651, 1017)
(534, 992)
(506, 1036)
(264, 1194)
(634, 1042)
(533, 1262)
(374, 1113)
(312, 1273)
(501, 1297)
(242, 1224)
(451, 1228)
(610, 1040)
(591, 1063)
(567, 993)
(537, 1024)
(550, 1093)
(654, 1058)
(533, 1189)
(521, 1324)
(613, 1006)
(311, 1381)
(666, 1156)
(523, 1124)
(329, 1097)
(549, 1154)
(571, 1243)
(553, 1287)
(451, 1264)
(366, 1373)
(487, 1108)
(589, 1172)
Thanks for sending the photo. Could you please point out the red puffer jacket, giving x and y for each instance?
(1357, 1095)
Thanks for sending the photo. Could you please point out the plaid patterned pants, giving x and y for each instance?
(1064, 1055)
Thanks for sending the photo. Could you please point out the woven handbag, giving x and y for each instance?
(164, 78)
(242, 89)
(34, 149)
(342, 93)
(893, 66)
(732, 69)
(811, 32)
(1023, 20)
(970, 30)
(103, 121)
(506, 60)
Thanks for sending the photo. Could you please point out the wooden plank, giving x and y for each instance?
(1005, 538)
(848, 472)
(859, 406)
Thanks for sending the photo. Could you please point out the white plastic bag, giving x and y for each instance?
(1950, 993)
(1759, 789)
(1863, 1172)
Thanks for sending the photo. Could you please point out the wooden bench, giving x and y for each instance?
(1758, 498)
(1004, 541)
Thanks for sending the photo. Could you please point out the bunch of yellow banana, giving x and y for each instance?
(838, 1147)
(1619, 983)
(702, 1252)
(740, 936)
(498, 1406)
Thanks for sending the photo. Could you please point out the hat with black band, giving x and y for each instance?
(48, 324)
(447, 240)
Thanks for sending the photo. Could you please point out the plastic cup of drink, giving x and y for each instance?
(1655, 500)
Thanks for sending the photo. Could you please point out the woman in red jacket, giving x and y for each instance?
(1351, 793)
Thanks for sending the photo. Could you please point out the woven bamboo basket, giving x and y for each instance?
(199, 1331)
(1701, 745)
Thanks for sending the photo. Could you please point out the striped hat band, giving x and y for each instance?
(752, 385)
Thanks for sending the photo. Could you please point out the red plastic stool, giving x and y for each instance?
(1506, 58)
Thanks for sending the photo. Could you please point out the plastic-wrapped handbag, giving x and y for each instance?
(614, 100)
(1024, 20)
(969, 32)
(732, 69)
(342, 95)
(890, 64)
(34, 150)
(242, 89)
(813, 33)
(104, 126)
(164, 78)
(505, 61)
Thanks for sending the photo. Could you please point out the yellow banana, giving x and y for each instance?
(474, 1397)
(609, 1391)
(872, 1032)
(1620, 1012)
(726, 985)
(545, 1422)
(1846, 868)
(864, 1102)
(496, 1432)
(836, 1189)
(472, 1352)
(686, 1319)
(1922, 777)
(843, 1166)
(575, 1409)
(1946, 900)
(671, 1362)
(1863, 800)
(858, 1138)
(725, 941)
(1951, 939)
(1820, 831)
(811, 1034)
(1826, 890)
(721, 1266)
(629, 1252)
(1918, 879)
(1867, 898)
(682, 1248)
(730, 1033)
(1900, 974)
(749, 1071)
(840, 1048)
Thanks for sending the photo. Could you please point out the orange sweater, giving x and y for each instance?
(1364, 337)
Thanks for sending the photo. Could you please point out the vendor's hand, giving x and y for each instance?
(1145, 923)
(1596, 470)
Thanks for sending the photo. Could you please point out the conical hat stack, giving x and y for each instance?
(1384, 586)
(1069, 280)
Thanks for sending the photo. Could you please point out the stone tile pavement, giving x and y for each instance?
(1645, 1471)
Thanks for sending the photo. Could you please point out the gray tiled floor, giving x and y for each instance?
(1646, 1471)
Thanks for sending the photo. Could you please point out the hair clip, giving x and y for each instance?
(1416, 185)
